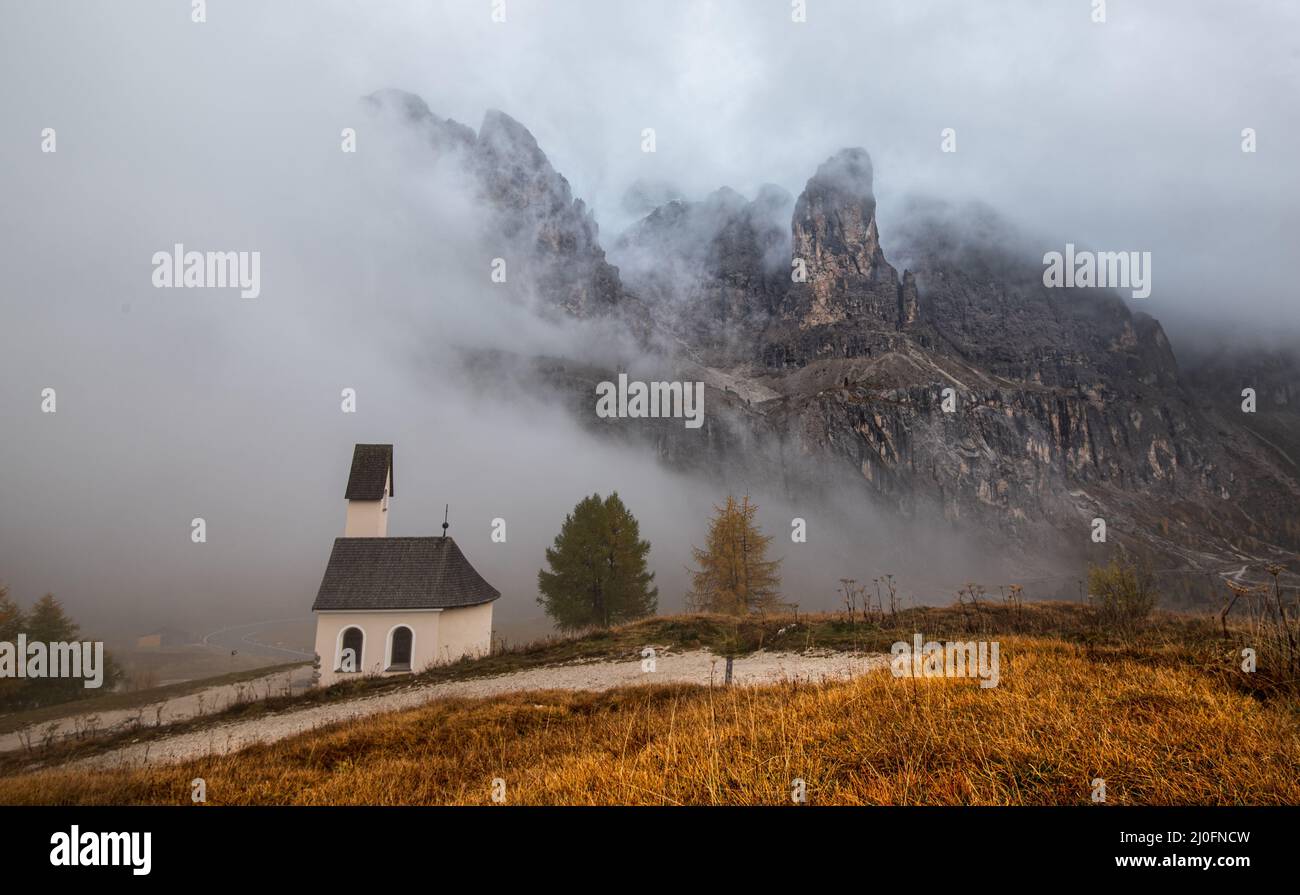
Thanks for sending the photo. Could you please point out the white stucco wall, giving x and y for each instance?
(440, 636)
(464, 632)
(368, 518)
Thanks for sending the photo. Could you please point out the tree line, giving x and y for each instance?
(44, 622)
(596, 572)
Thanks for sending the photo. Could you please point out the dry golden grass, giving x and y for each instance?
(1158, 732)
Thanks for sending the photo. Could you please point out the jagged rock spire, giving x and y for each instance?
(835, 236)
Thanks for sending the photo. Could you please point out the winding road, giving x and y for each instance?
(240, 637)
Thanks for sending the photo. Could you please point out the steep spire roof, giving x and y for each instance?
(372, 466)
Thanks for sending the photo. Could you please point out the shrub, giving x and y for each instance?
(1122, 592)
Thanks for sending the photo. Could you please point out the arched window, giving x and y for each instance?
(399, 649)
(350, 647)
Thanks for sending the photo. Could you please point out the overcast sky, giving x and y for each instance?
(225, 135)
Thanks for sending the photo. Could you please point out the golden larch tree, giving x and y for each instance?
(734, 575)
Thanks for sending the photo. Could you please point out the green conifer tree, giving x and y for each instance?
(597, 575)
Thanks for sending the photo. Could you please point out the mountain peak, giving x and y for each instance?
(413, 107)
(835, 236)
(848, 173)
(499, 129)
(443, 133)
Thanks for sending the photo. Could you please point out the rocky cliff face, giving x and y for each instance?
(712, 273)
(547, 237)
(836, 240)
(827, 367)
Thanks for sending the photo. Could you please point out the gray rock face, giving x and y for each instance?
(443, 134)
(712, 273)
(835, 235)
(551, 235)
(1065, 405)
(851, 302)
(548, 238)
(983, 297)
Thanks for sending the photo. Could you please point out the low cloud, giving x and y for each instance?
(177, 403)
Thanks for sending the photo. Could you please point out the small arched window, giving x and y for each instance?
(350, 648)
(399, 650)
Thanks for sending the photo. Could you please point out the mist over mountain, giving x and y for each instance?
(774, 142)
(1066, 407)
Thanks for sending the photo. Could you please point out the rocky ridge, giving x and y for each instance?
(826, 364)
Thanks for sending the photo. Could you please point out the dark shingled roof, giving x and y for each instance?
(371, 465)
(400, 573)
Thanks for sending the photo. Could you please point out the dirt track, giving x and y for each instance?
(692, 667)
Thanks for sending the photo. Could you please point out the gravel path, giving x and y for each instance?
(691, 667)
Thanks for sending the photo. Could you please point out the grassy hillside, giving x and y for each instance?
(1163, 714)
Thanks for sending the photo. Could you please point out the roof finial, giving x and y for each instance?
(445, 511)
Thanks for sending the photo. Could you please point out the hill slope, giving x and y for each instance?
(1163, 715)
